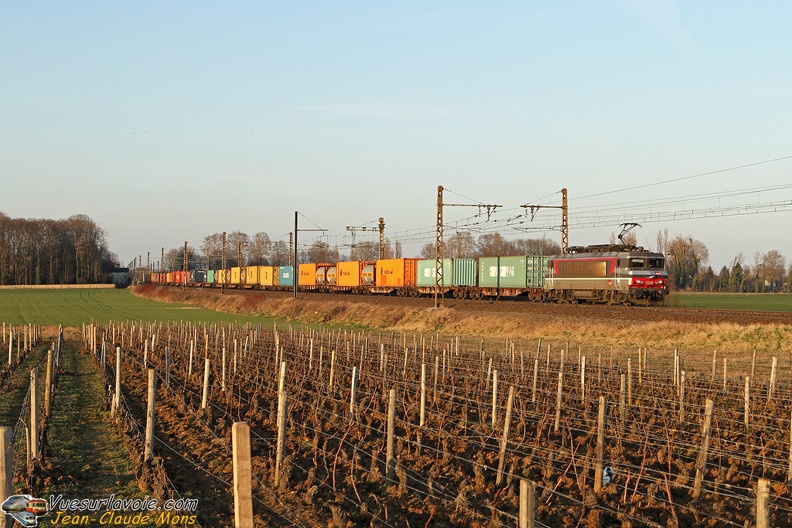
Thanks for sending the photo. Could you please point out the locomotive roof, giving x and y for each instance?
(607, 250)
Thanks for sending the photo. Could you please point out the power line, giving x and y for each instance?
(683, 178)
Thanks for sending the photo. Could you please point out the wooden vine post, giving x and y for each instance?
(148, 454)
(423, 396)
(352, 393)
(557, 425)
(223, 371)
(48, 387)
(527, 504)
(494, 398)
(505, 438)
(682, 397)
(332, 369)
(535, 379)
(6, 470)
(762, 511)
(281, 443)
(390, 458)
(205, 396)
(243, 493)
(189, 365)
(167, 366)
(34, 415)
(600, 454)
(701, 461)
(117, 396)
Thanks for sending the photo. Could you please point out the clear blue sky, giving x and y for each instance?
(169, 121)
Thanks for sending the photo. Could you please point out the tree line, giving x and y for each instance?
(74, 251)
(259, 249)
(45, 251)
(687, 263)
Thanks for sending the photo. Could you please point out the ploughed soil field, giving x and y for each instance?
(478, 397)
(391, 428)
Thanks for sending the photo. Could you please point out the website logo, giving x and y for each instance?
(25, 509)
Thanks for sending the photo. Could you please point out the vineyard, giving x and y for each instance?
(360, 428)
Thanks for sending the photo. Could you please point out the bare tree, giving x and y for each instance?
(280, 254)
(460, 245)
(365, 251)
(236, 246)
(212, 248)
(493, 245)
(319, 252)
(684, 258)
(662, 241)
(260, 246)
(536, 246)
(773, 267)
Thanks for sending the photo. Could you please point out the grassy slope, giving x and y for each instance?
(75, 307)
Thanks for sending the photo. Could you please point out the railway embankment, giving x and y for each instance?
(621, 327)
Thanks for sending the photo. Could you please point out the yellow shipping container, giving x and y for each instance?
(396, 272)
(252, 275)
(266, 275)
(349, 274)
(220, 276)
(307, 275)
(236, 275)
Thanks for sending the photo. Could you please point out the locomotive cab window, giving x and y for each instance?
(656, 263)
(637, 263)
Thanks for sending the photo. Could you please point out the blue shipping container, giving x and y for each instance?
(285, 276)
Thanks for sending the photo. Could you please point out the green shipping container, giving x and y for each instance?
(427, 269)
(512, 272)
(210, 277)
(535, 270)
(464, 272)
(502, 272)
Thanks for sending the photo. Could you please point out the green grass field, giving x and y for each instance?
(78, 306)
(763, 302)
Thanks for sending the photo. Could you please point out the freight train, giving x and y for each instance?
(612, 274)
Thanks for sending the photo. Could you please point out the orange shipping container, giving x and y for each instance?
(397, 272)
(307, 275)
(267, 275)
(349, 274)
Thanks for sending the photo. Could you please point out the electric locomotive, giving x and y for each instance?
(610, 273)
